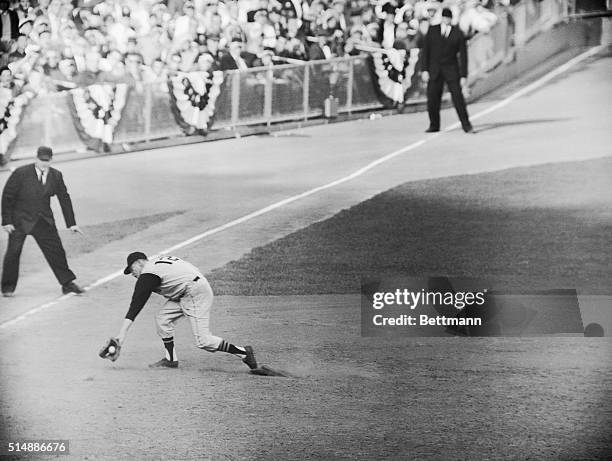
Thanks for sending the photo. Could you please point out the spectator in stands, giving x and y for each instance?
(23, 10)
(254, 42)
(51, 66)
(231, 33)
(373, 36)
(8, 89)
(157, 74)
(134, 70)
(213, 48)
(405, 37)
(113, 68)
(18, 50)
(9, 27)
(342, 14)
(215, 16)
(295, 49)
(185, 27)
(278, 22)
(173, 63)
(25, 27)
(89, 75)
(281, 47)
(189, 55)
(235, 58)
(350, 48)
(336, 43)
(318, 48)
(268, 31)
(355, 39)
(205, 63)
(476, 18)
(386, 26)
(68, 78)
(331, 25)
(41, 9)
(261, 5)
(120, 30)
(152, 45)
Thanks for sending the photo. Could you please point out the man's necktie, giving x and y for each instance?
(41, 179)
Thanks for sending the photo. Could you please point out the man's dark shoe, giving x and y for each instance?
(72, 287)
(432, 130)
(250, 357)
(164, 363)
(8, 294)
(469, 130)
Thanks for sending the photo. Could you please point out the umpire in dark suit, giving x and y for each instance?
(444, 59)
(26, 210)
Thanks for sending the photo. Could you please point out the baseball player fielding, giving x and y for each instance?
(188, 294)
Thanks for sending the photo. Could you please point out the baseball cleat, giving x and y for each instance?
(250, 357)
(8, 294)
(164, 363)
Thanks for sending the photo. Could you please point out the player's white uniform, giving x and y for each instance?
(189, 294)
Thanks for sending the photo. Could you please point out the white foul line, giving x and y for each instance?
(532, 86)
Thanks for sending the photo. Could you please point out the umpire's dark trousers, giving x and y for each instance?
(434, 99)
(48, 240)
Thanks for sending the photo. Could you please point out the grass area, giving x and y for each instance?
(548, 226)
(100, 234)
(97, 235)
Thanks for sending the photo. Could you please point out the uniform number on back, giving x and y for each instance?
(167, 260)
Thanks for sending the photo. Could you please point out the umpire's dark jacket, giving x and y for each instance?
(439, 54)
(25, 200)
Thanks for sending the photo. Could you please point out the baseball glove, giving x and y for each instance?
(110, 350)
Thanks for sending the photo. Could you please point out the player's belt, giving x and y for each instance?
(178, 298)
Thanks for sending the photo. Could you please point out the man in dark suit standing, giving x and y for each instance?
(444, 59)
(26, 210)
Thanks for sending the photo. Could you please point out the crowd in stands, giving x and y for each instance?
(54, 45)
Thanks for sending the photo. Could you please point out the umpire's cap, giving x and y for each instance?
(44, 153)
(131, 259)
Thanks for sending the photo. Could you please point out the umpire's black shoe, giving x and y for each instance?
(164, 363)
(72, 287)
(431, 129)
(250, 357)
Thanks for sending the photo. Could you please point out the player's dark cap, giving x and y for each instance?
(44, 153)
(131, 259)
(447, 13)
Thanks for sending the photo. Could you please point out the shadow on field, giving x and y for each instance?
(492, 126)
(534, 228)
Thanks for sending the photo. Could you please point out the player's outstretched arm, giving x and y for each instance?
(127, 323)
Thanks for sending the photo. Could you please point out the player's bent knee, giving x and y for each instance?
(208, 343)
(165, 330)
